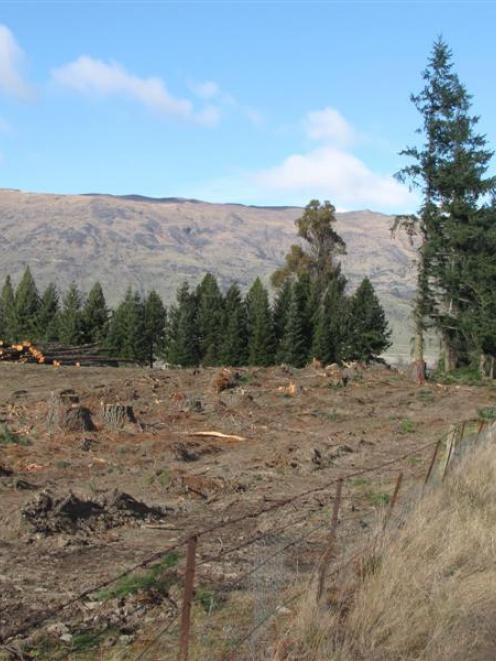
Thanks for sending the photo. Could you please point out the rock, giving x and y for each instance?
(66, 638)
(58, 629)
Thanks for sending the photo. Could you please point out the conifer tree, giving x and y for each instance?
(449, 169)
(210, 318)
(155, 322)
(282, 302)
(235, 328)
(8, 310)
(331, 326)
(294, 345)
(368, 332)
(126, 335)
(261, 345)
(27, 303)
(95, 315)
(48, 321)
(70, 326)
(182, 329)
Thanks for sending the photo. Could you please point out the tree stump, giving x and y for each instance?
(117, 416)
(77, 419)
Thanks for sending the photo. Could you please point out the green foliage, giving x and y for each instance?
(407, 426)
(209, 599)
(456, 224)
(48, 321)
(234, 350)
(488, 413)
(7, 437)
(210, 320)
(154, 577)
(182, 329)
(71, 330)
(126, 334)
(368, 330)
(95, 315)
(378, 498)
(330, 326)
(27, 303)
(322, 246)
(261, 347)
(295, 344)
(155, 322)
(8, 311)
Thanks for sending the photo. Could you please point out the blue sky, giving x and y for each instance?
(254, 102)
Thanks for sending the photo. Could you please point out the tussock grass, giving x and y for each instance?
(426, 591)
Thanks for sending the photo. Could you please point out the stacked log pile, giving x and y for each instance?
(57, 354)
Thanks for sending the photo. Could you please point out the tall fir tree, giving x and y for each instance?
(449, 170)
(70, 326)
(368, 332)
(27, 303)
(261, 345)
(95, 315)
(210, 319)
(234, 350)
(9, 311)
(48, 315)
(155, 322)
(182, 329)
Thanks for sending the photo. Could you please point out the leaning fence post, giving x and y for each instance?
(332, 537)
(189, 579)
(431, 465)
(393, 501)
(449, 449)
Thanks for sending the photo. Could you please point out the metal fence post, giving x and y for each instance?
(189, 579)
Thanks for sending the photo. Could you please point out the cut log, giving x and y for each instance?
(217, 434)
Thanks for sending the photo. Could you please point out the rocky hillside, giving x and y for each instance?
(147, 243)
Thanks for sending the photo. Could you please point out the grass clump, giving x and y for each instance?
(153, 578)
(407, 426)
(209, 599)
(425, 590)
(488, 413)
(8, 437)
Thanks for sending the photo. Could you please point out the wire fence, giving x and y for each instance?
(269, 573)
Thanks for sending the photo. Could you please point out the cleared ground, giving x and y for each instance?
(300, 429)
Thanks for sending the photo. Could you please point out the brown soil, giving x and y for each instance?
(301, 430)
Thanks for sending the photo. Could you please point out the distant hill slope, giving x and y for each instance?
(146, 242)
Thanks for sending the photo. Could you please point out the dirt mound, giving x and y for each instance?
(70, 514)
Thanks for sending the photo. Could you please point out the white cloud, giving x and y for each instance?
(332, 173)
(91, 76)
(11, 58)
(329, 125)
(210, 90)
(205, 90)
(329, 171)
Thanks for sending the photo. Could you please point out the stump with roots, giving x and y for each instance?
(117, 416)
(77, 419)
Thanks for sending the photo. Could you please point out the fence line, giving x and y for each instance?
(37, 620)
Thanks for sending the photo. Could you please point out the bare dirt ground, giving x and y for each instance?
(299, 429)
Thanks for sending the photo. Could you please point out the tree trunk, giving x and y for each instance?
(419, 361)
(449, 355)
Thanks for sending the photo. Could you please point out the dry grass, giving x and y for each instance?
(427, 591)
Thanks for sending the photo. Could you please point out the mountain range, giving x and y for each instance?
(158, 242)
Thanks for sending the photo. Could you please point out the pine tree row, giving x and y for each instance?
(205, 326)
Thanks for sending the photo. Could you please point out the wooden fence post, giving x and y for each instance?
(332, 538)
(189, 579)
(449, 449)
(393, 501)
(431, 465)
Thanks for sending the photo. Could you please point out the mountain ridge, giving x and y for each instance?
(149, 242)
